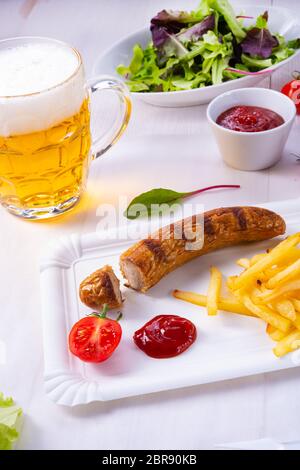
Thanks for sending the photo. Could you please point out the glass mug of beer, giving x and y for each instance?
(45, 139)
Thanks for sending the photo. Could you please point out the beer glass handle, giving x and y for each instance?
(103, 83)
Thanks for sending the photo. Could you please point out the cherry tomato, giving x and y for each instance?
(95, 337)
(292, 90)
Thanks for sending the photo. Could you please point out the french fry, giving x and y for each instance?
(285, 275)
(268, 288)
(292, 255)
(275, 335)
(263, 288)
(296, 295)
(272, 294)
(214, 289)
(243, 262)
(230, 282)
(288, 344)
(276, 254)
(270, 272)
(296, 303)
(225, 303)
(297, 321)
(268, 315)
(286, 309)
(256, 295)
(256, 258)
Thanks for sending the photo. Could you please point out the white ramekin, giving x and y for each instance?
(252, 151)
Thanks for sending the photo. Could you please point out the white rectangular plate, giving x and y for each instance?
(228, 346)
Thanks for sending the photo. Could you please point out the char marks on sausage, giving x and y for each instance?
(148, 261)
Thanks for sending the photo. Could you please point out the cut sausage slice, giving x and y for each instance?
(146, 262)
(101, 287)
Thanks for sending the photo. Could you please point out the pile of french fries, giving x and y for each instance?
(268, 288)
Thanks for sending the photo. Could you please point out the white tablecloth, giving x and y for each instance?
(176, 150)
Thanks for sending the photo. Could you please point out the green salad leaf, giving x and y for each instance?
(226, 10)
(262, 21)
(207, 46)
(9, 422)
(256, 63)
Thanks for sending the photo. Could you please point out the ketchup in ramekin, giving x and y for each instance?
(249, 119)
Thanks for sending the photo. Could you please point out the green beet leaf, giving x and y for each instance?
(149, 202)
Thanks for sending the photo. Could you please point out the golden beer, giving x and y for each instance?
(45, 138)
(46, 168)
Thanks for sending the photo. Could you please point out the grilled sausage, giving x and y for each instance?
(146, 262)
(101, 287)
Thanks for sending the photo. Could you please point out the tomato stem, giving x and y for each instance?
(119, 316)
(102, 314)
(104, 311)
(296, 75)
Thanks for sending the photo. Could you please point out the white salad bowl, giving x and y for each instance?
(281, 20)
(252, 151)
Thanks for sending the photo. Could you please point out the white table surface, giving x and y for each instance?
(162, 147)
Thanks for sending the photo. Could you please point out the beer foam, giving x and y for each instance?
(41, 84)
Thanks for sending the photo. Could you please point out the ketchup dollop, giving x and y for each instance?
(165, 336)
(249, 119)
